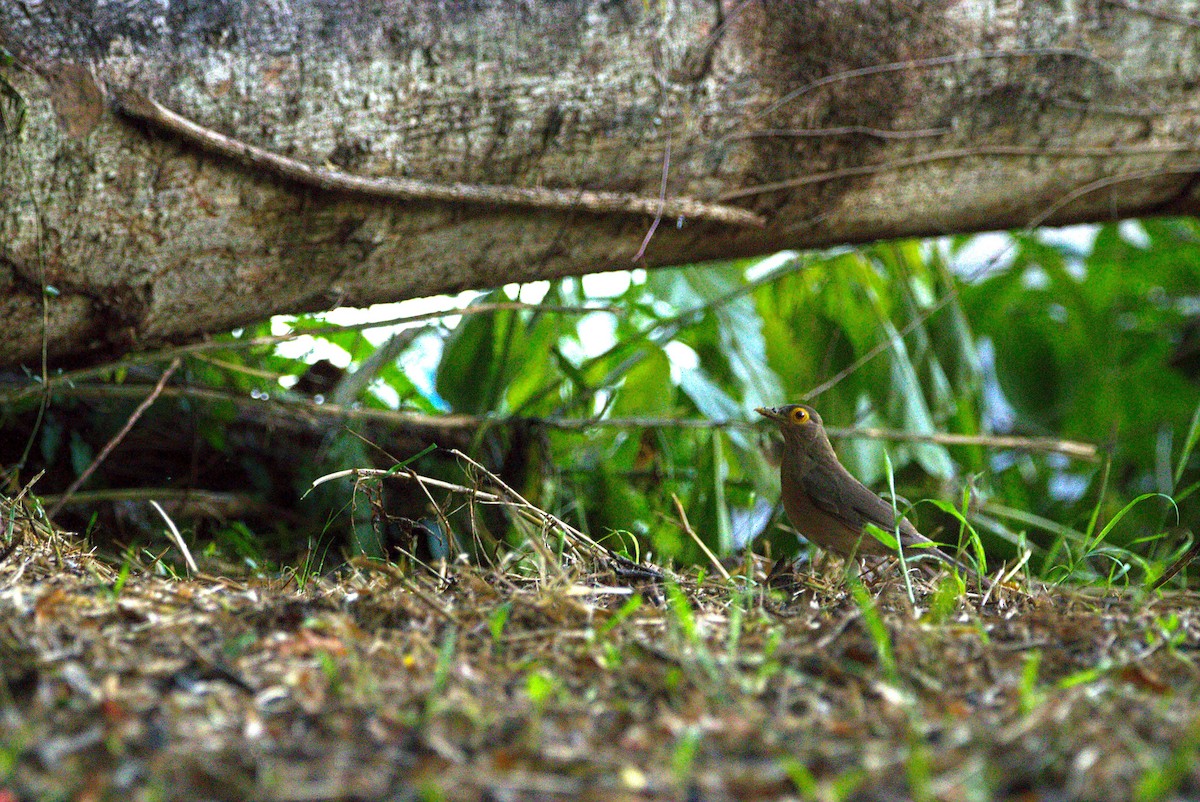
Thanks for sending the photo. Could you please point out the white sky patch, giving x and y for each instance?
(682, 358)
(311, 349)
(533, 292)
(385, 393)
(1035, 278)
(597, 333)
(983, 255)
(999, 412)
(1134, 233)
(606, 285)
(1068, 487)
(350, 316)
(420, 361)
(1079, 239)
(1078, 242)
(600, 401)
(771, 263)
(989, 253)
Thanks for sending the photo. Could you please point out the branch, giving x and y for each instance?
(942, 61)
(1071, 448)
(996, 151)
(116, 438)
(146, 357)
(1156, 13)
(141, 107)
(297, 405)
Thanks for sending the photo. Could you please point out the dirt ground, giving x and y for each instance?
(582, 681)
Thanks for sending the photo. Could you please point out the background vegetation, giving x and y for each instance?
(1083, 338)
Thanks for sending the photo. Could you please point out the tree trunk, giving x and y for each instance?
(347, 152)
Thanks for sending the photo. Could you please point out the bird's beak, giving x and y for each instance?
(769, 413)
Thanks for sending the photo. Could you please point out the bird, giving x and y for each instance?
(827, 505)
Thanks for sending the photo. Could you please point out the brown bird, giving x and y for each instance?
(829, 506)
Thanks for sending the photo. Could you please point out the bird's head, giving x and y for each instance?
(801, 426)
(794, 417)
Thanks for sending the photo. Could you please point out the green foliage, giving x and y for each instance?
(13, 106)
(1029, 693)
(1082, 342)
(445, 660)
(875, 627)
(1060, 340)
(1162, 779)
(1076, 341)
(683, 756)
(497, 621)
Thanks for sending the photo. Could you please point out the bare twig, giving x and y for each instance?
(117, 438)
(141, 107)
(366, 563)
(1071, 448)
(24, 491)
(843, 130)
(1111, 181)
(662, 203)
(479, 494)
(939, 61)
(996, 152)
(557, 522)
(305, 406)
(1156, 13)
(177, 538)
(687, 527)
(1177, 566)
(509, 497)
(208, 502)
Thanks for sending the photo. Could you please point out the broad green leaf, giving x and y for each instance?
(647, 388)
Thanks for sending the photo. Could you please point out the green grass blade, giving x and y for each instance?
(1189, 443)
(1093, 544)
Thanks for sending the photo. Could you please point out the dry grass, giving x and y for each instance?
(581, 680)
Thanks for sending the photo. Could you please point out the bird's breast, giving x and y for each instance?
(817, 523)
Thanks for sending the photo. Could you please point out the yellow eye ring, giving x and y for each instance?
(799, 415)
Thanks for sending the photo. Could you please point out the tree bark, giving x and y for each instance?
(379, 150)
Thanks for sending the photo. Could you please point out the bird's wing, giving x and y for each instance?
(839, 494)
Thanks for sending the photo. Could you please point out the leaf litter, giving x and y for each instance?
(585, 681)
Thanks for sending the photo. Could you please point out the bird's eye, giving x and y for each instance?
(799, 415)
